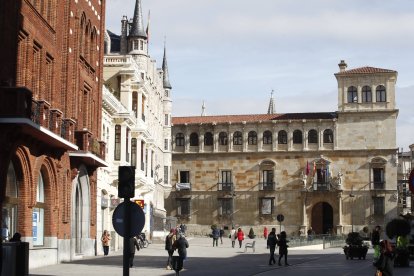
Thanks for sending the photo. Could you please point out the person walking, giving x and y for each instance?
(271, 244)
(133, 243)
(216, 234)
(181, 244)
(283, 247)
(233, 236)
(240, 237)
(375, 240)
(265, 233)
(385, 262)
(105, 239)
(169, 241)
(221, 235)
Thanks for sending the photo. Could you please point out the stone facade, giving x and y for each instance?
(333, 171)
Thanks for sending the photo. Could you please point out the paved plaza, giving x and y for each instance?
(204, 259)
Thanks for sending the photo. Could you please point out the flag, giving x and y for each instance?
(314, 168)
(148, 23)
(307, 170)
(327, 172)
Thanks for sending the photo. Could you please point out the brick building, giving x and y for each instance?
(332, 171)
(50, 122)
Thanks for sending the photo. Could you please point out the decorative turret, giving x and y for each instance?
(165, 79)
(271, 109)
(137, 37)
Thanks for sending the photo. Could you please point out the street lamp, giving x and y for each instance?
(351, 195)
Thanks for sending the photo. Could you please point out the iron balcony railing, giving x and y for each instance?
(227, 186)
(321, 186)
(266, 186)
(183, 186)
(378, 185)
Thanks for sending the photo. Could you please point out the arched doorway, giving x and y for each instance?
(9, 210)
(322, 218)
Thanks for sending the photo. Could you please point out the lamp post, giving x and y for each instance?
(351, 195)
(233, 195)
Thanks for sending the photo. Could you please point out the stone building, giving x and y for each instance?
(332, 171)
(136, 124)
(51, 95)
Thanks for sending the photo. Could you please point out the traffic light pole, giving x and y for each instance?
(127, 234)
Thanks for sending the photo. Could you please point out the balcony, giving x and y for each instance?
(91, 151)
(225, 187)
(378, 185)
(267, 186)
(321, 186)
(183, 187)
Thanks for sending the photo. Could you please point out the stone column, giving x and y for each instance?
(201, 139)
(274, 138)
(259, 139)
(339, 227)
(187, 140)
(303, 227)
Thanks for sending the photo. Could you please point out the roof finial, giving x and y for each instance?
(203, 109)
(165, 78)
(271, 109)
(137, 27)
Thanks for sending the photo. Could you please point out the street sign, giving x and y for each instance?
(136, 215)
(280, 218)
(140, 203)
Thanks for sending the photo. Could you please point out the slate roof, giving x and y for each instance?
(252, 118)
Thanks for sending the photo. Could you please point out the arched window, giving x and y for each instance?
(135, 103)
(282, 137)
(312, 136)
(223, 140)
(366, 94)
(134, 152)
(352, 94)
(208, 139)
(179, 140)
(193, 139)
(297, 137)
(117, 148)
(267, 137)
(237, 138)
(38, 216)
(381, 94)
(252, 138)
(328, 136)
(9, 210)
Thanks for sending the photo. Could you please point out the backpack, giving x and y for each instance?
(168, 243)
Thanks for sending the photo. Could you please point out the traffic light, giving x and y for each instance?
(126, 181)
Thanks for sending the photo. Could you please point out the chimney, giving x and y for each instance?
(124, 34)
(342, 66)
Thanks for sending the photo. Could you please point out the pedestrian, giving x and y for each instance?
(169, 241)
(221, 235)
(105, 239)
(17, 237)
(133, 243)
(181, 244)
(271, 244)
(240, 237)
(283, 247)
(309, 234)
(233, 236)
(215, 234)
(375, 240)
(265, 232)
(385, 262)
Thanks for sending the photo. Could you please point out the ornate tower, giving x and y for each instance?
(137, 37)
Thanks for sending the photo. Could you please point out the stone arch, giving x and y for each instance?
(322, 217)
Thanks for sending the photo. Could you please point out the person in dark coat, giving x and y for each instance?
(181, 244)
(169, 241)
(385, 263)
(221, 235)
(133, 243)
(216, 234)
(271, 244)
(283, 251)
(16, 237)
(375, 240)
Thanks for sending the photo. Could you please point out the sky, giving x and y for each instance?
(232, 53)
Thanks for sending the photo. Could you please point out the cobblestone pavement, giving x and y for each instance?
(204, 259)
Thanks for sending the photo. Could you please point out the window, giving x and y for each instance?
(165, 144)
(183, 208)
(166, 174)
(134, 152)
(225, 206)
(297, 137)
(223, 140)
(321, 176)
(379, 207)
(135, 103)
(312, 136)
(117, 148)
(9, 209)
(237, 138)
(208, 139)
(38, 219)
(379, 178)
(352, 94)
(282, 137)
(267, 137)
(184, 176)
(327, 136)
(252, 138)
(381, 94)
(225, 181)
(366, 94)
(193, 139)
(166, 119)
(266, 206)
(179, 140)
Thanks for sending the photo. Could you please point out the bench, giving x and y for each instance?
(250, 245)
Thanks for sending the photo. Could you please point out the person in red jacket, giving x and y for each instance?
(240, 236)
(265, 233)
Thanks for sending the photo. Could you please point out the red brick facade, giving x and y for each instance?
(55, 50)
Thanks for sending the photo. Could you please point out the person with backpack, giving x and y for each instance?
(215, 233)
(169, 242)
(271, 244)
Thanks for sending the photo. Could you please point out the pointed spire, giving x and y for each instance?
(271, 109)
(137, 27)
(203, 109)
(165, 78)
